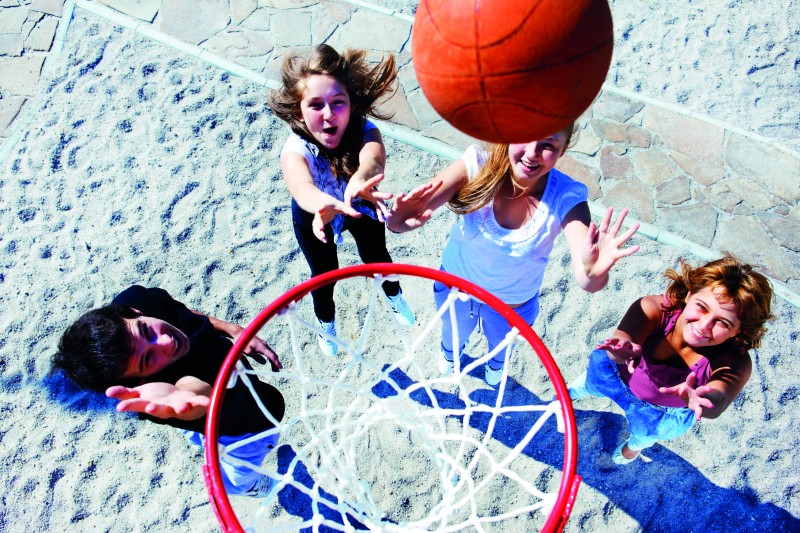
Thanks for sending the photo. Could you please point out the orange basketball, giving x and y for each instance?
(511, 71)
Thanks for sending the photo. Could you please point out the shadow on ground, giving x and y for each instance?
(639, 489)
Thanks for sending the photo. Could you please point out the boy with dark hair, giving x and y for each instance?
(160, 359)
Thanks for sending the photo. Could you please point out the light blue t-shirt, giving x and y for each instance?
(509, 263)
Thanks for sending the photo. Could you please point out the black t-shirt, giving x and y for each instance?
(208, 347)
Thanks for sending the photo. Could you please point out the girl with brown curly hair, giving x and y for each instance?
(680, 356)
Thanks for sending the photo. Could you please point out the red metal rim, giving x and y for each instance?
(211, 470)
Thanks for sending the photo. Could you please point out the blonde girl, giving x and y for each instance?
(513, 204)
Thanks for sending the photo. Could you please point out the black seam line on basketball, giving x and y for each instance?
(459, 45)
(513, 32)
(565, 61)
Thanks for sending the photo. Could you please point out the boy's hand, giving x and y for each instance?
(162, 400)
(622, 351)
(260, 351)
(692, 396)
(256, 348)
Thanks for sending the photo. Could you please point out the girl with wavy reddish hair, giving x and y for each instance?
(680, 356)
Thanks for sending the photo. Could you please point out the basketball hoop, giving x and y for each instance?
(460, 466)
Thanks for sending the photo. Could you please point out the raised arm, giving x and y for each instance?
(308, 196)
(256, 348)
(413, 209)
(363, 183)
(188, 399)
(625, 344)
(729, 374)
(595, 250)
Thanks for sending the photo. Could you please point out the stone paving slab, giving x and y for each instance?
(699, 183)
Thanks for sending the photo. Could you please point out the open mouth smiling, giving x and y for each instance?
(531, 167)
(697, 333)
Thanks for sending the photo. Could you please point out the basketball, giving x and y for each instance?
(511, 71)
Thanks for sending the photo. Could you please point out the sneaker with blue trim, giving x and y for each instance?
(491, 375)
(262, 488)
(577, 389)
(328, 346)
(401, 309)
(446, 367)
(620, 459)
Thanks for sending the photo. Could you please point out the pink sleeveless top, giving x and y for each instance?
(649, 375)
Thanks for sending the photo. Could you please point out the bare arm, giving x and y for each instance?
(371, 164)
(729, 376)
(371, 157)
(188, 399)
(412, 210)
(726, 382)
(642, 318)
(593, 250)
(309, 197)
(256, 348)
(300, 183)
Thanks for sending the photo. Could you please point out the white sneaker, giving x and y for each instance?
(401, 309)
(445, 367)
(328, 346)
(577, 389)
(491, 375)
(262, 488)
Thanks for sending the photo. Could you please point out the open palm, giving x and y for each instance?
(162, 400)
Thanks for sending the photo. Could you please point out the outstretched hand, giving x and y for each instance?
(622, 350)
(692, 396)
(410, 211)
(326, 213)
(259, 350)
(161, 400)
(367, 189)
(603, 247)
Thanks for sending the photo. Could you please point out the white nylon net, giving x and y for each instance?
(375, 438)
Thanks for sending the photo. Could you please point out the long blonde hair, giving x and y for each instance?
(481, 190)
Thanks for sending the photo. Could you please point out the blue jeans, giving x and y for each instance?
(495, 327)
(647, 422)
(239, 479)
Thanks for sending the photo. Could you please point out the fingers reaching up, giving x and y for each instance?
(410, 210)
(691, 394)
(604, 244)
(326, 213)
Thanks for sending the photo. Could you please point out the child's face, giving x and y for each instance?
(532, 160)
(156, 345)
(325, 109)
(708, 318)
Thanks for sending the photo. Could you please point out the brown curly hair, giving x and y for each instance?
(481, 190)
(366, 86)
(736, 282)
